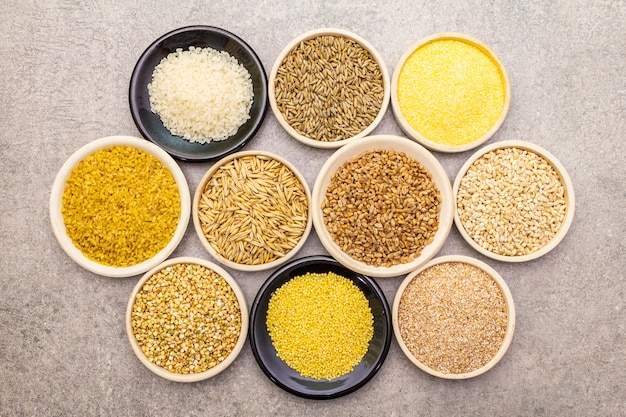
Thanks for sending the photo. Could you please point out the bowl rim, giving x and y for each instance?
(164, 373)
(281, 274)
(198, 227)
(56, 202)
(414, 134)
(508, 298)
(313, 34)
(390, 142)
(134, 87)
(565, 180)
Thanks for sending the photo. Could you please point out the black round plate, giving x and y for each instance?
(150, 125)
(286, 377)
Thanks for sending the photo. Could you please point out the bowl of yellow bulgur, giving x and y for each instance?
(319, 330)
(207, 319)
(119, 206)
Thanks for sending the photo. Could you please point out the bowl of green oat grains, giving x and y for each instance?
(187, 319)
(329, 87)
(319, 330)
(382, 206)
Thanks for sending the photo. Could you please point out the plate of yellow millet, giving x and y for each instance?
(319, 330)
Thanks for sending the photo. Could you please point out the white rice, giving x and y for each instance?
(201, 95)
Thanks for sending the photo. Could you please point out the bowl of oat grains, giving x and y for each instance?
(329, 87)
(454, 317)
(514, 201)
(382, 206)
(199, 92)
(252, 210)
(207, 319)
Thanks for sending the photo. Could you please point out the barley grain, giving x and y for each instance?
(511, 201)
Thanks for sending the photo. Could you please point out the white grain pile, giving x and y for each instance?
(201, 94)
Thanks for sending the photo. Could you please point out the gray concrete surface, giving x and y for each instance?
(64, 73)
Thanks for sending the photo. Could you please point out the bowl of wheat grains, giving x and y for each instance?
(382, 206)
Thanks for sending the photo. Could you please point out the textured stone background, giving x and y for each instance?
(64, 73)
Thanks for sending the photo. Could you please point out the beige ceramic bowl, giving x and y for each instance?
(311, 35)
(383, 142)
(198, 224)
(565, 181)
(56, 202)
(192, 377)
(508, 298)
(414, 134)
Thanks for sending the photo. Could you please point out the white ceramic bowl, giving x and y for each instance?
(565, 181)
(414, 134)
(56, 200)
(198, 225)
(311, 35)
(192, 377)
(384, 142)
(508, 298)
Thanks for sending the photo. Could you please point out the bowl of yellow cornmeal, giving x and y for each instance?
(450, 92)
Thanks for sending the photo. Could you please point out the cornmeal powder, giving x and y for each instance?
(450, 92)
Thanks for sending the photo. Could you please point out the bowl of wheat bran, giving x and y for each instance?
(454, 317)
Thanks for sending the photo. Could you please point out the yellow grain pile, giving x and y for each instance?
(450, 92)
(320, 324)
(120, 206)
